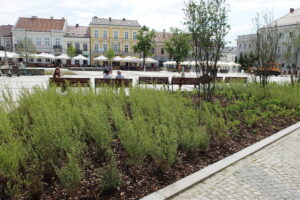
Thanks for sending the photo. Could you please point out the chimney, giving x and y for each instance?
(164, 33)
(51, 17)
(62, 18)
(292, 10)
(110, 19)
(77, 25)
(34, 17)
(95, 17)
(124, 19)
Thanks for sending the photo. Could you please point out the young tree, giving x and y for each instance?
(206, 21)
(247, 60)
(265, 45)
(178, 46)
(71, 51)
(145, 43)
(25, 47)
(110, 54)
(292, 54)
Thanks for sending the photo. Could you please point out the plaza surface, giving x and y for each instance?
(272, 173)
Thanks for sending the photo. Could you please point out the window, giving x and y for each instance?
(47, 60)
(18, 40)
(126, 35)
(85, 47)
(6, 43)
(104, 47)
(38, 41)
(105, 34)
(134, 35)
(116, 35)
(39, 60)
(77, 46)
(291, 34)
(31, 60)
(57, 41)
(126, 48)
(47, 42)
(96, 47)
(245, 46)
(116, 47)
(162, 51)
(96, 34)
(279, 50)
(68, 45)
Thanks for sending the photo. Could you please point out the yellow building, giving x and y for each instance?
(117, 34)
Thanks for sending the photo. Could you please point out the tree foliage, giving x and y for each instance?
(110, 54)
(178, 46)
(25, 47)
(247, 60)
(207, 23)
(265, 45)
(71, 51)
(145, 44)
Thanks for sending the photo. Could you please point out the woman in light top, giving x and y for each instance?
(107, 74)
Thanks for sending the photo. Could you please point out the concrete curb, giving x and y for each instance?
(203, 174)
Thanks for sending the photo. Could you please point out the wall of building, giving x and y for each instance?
(81, 42)
(110, 41)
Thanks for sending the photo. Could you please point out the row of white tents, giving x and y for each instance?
(193, 63)
(128, 59)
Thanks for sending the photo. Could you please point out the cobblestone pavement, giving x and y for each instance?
(270, 174)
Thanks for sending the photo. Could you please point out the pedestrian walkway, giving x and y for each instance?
(270, 174)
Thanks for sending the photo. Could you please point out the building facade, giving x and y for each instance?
(79, 37)
(6, 38)
(229, 54)
(288, 25)
(46, 34)
(160, 54)
(117, 34)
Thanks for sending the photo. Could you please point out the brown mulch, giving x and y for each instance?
(139, 181)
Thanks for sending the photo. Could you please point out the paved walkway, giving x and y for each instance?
(270, 174)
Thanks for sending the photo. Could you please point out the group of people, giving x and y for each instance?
(107, 74)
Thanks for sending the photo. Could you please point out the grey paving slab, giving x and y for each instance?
(272, 173)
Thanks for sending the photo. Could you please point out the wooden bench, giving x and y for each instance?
(185, 81)
(153, 80)
(71, 82)
(236, 79)
(101, 82)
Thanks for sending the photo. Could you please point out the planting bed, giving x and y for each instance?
(112, 146)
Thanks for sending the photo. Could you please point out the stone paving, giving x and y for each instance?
(270, 174)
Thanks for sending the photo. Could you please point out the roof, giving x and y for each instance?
(229, 50)
(78, 31)
(40, 24)
(115, 22)
(289, 19)
(5, 30)
(162, 37)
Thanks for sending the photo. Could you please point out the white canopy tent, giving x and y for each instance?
(63, 57)
(131, 59)
(101, 58)
(118, 59)
(80, 58)
(149, 60)
(12, 55)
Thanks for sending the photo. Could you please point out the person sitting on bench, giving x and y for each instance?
(57, 73)
(119, 76)
(107, 74)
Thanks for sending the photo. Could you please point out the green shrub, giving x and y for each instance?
(111, 179)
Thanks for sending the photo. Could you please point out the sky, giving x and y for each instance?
(157, 14)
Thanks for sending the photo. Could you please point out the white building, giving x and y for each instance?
(287, 26)
(46, 34)
(6, 38)
(229, 54)
(79, 37)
